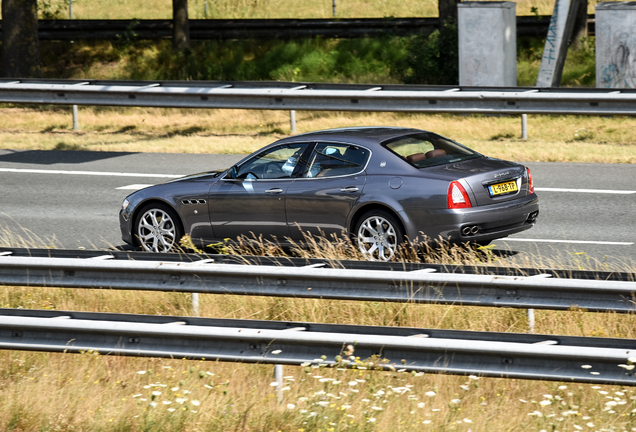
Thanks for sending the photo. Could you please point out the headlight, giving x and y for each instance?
(125, 204)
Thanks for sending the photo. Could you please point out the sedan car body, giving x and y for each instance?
(378, 185)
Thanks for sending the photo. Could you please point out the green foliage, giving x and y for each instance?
(318, 60)
(52, 9)
(433, 59)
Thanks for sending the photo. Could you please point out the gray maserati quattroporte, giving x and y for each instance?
(378, 185)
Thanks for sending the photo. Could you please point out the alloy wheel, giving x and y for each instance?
(156, 231)
(377, 239)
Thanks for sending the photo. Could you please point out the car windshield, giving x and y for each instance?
(428, 149)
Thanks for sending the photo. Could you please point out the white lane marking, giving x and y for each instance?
(134, 186)
(569, 241)
(93, 173)
(600, 191)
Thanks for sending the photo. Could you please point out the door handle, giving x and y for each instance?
(349, 189)
(274, 191)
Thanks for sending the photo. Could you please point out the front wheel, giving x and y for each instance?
(378, 235)
(158, 228)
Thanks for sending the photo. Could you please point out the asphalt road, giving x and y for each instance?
(71, 199)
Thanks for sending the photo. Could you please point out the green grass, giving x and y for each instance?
(381, 60)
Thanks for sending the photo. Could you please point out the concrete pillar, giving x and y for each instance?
(487, 43)
(616, 45)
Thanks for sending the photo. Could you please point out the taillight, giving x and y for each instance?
(530, 183)
(457, 196)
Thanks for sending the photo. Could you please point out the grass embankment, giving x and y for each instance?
(162, 9)
(551, 138)
(91, 392)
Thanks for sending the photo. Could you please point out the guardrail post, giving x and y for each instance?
(75, 119)
(205, 10)
(333, 7)
(530, 320)
(70, 9)
(195, 304)
(278, 377)
(292, 121)
(524, 126)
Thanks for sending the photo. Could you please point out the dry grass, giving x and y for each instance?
(89, 391)
(161, 9)
(552, 138)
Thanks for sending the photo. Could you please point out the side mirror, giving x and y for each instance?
(232, 173)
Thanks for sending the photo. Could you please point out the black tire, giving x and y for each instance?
(157, 228)
(378, 234)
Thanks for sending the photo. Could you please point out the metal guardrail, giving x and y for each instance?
(508, 355)
(208, 29)
(316, 96)
(419, 286)
(185, 257)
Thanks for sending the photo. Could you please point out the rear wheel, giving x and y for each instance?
(378, 234)
(157, 228)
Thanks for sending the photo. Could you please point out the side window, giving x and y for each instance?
(330, 160)
(275, 163)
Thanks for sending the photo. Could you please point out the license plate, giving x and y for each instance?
(502, 188)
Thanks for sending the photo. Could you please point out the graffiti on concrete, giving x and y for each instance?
(619, 72)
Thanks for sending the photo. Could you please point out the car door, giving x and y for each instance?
(320, 200)
(252, 203)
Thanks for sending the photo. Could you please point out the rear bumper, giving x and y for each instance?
(484, 223)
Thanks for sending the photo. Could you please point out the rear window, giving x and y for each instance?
(428, 149)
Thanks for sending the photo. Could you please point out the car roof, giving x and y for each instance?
(368, 135)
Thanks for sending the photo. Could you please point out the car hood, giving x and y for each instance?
(209, 175)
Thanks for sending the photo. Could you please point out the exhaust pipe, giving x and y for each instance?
(470, 230)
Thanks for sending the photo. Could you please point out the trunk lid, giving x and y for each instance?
(508, 180)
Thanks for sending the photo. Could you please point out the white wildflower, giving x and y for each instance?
(545, 403)
(430, 393)
(456, 401)
(142, 372)
(195, 402)
(291, 406)
(421, 405)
